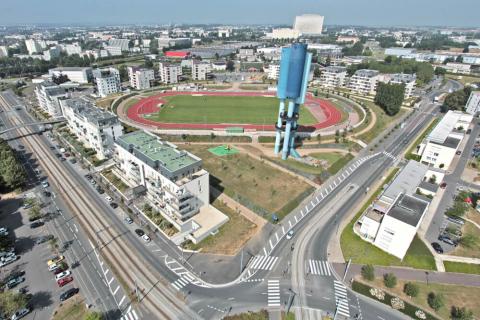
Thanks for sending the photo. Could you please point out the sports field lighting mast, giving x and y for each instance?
(292, 88)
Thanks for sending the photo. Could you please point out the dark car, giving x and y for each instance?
(46, 194)
(63, 159)
(100, 190)
(52, 148)
(36, 224)
(113, 205)
(43, 239)
(447, 240)
(73, 161)
(68, 294)
(139, 232)
(437, 247)
(89, 177)
(58, 155)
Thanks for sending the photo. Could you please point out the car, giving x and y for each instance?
(68, 294)
(7, 255)
(456, 220)
(88, 176)
(37, 171)
(46, 194)
(36, 224)
(100, 190)
(20, 313)
(290, 234)
(58, 155)
(93, 182)
(458, 152)
(447, 240)
(21, 147)
(63, 274)
(443, 185)
(139, 232)
(63, 159)
(128, 220)
(73, 161)
(108, 198)
(43, 239)
(60, 268)
(437, 247)
(52, 148)
(64, 281)
(469, 131)
(8, 259)
(55, 260)
(113, 205)
(45, 184)
(146, 238)
(3, 232)
(15, 282)
(66, 155)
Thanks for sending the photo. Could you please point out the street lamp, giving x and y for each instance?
(426, 275)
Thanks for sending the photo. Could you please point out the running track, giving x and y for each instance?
(149, 105)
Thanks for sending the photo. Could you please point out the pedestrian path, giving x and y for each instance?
(389, 155)
(130, 315)
(185, 279)
(319, 267)
(273, 293)
(341, 299)
(263, 262)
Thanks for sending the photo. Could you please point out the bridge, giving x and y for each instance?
(38, 123)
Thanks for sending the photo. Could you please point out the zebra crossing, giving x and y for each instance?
(389, 155)
(185, 279)
(130, 314)
(263, 262)
(341, 299)
(273, 293)
(318, 267)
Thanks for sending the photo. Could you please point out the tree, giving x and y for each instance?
(11, 301)
(148, 63)
(368, 272)
(435, 301)
(411, 289)
(230, 66)
(12, 173)
(458, 313)
(153, 45)
(328, 61)
(458, 99)
(123, 72)
(390, 280)
(468, 240)
(5, 243)
(94, 315)
(62, 78)
(317, 72)
(390, 97)
(439, 71)
(458, 209)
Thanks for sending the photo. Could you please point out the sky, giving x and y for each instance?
(462, 13)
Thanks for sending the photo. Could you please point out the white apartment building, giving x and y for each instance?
(51, 53)
(455, 67)
(168, 72)
(284, 33)
(33, 46)
(122, 44)
(140, 78)
(439, 147)
(175, 183)
(3, 51)
(408, 80)
(48, 95)
(473, 103)
(273, 71)
(333, 77)
(75, 74)
(73, 48)
(94, 127)
(107, 80)
(200, 70)
(364, 81)
(309, 24)
(113, 51)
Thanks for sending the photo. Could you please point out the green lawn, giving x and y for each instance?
(330, 157)
(219, 109)
(260, 315)
(336, 161)
(460, 267)
(409, 154)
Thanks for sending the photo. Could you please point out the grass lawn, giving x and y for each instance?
(474, 215)
(116, 181)
(474, 251)
(218, 109)
(260, 315)
(459, 296)
(257, 185)
(105, 103)
(330, 157)
(72, 309)
(418, 256)
(460, 267)
(231, 236)
(465, 80)
(340, 163)
(336, 161)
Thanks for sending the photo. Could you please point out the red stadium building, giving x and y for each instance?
(177, 54)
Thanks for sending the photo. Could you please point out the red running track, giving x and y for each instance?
(150, 105)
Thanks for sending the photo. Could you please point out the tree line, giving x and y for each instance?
(12, 173)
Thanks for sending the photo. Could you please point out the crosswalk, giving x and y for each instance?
(130, 314)
(319, 267)
(273, 293)
(389, 155)
(341, 299)
(185, 279)
(263, 262)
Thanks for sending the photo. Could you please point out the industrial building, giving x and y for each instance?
(169, 72)
(140, 78)
(94, 127)
(309, 24)
(364, 81)
(107, 80)
(473, 104)
(80, 75)
(174, 181)
(48, 95)
(333, 77)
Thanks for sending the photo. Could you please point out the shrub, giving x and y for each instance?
(435, 301)
(390, 280)
(368, 272)
(411, 289)
(461, 314)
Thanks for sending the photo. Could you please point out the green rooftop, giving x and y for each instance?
(157, 153)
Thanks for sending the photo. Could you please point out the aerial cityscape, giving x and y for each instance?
(241, 161)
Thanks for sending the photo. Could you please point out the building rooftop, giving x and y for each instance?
(428, 186)
(157, 153)
(336, 69)
(407, 180)
(403, 77)
(441, 131)
(366, 73)
(408, 209)
(70, 69)
(84, 108)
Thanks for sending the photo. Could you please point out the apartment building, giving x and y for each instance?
(473, 104)
(309, 24)
(200, 70)
(273, 71)
(174, 181)
(94, 127)
(34, 46)
(408, 80)
(3, 51)
(333, 77)
(168, 72)
(284, 33)
(48, 95)
(107, 80)
(364, 81)
(439, 148)
(140, 78)
(80, 75)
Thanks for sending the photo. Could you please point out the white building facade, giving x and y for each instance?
(48, 95)
(200, 70)
(473, 104)
(140, 78)
(309, 24)
(364, 81)
(107, 80)
(169, 73)
(333, 77)
(80, 75)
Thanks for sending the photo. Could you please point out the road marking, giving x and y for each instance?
(110, 281)
(273, 296)
(276, 236)
(121, 300)
(341, 298)
(271, 245)
(319, 267)
(290, 223)
(296, 220)
(116, 290)
(216, 309)
(105, 272)
(263, 262)
(76, 229)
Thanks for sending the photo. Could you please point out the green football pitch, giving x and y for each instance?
(223, 109)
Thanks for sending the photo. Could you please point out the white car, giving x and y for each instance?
(290, 234)
(52, 267)
(3, 232)
(20, 314)
(108, 198)
(146, 238)
(62, 275)
(45, 184)
(9, 258)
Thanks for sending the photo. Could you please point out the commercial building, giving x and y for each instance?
(284, 33)
(174, 42)
(75, 74)
(455, 67)
(175, 183)
(326, 50)
(439, 147)
(140, 78)
(473, 103)
(94, 127)
(200, 70)
(309, 24)
(364, 81)
(107, 80)
(48, 95)
(333, 77)
(168, 72)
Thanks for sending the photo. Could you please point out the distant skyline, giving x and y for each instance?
(459, 13)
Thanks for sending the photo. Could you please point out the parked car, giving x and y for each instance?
(20, 313)
(458, 152)
(43, 239)
(64, 281)
(45, 184)
(73, 161)
(93, 182)
(128, 220)
(469, 131)
(55, 260)
(113, 205)
(8, 259)
(443, 185)
(100, 190)
(456, 220)
(139, 232)
(3, 232)
(36, 224)
(290, 234)
(437, 247)
(66, 155)
(63, 159)
(15, 282)
(146, 238)
(447, 240)
(52, 148)
(47, 194)
(88, 176)
(108, 198)
(68, 294)
(60, 268)
(63, 274)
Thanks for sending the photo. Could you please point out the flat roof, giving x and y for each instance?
(428, 186)
(408, 209)
(441, 131)
(407, 180)
(158, 151)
